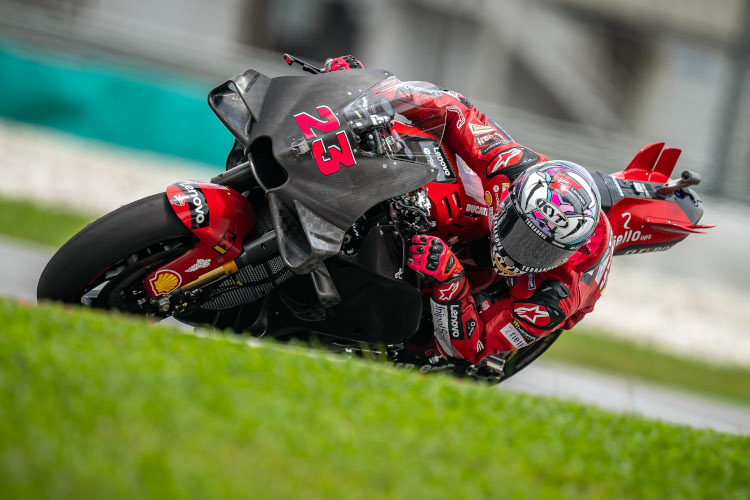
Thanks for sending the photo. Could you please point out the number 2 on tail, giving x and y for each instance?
(338, 155)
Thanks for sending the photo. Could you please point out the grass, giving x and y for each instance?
(29, 221)
(602, 352)
(43, 225)
(100, 406)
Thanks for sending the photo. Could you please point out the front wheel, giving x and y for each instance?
(105, 263)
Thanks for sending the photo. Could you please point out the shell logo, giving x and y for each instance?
(165, 281)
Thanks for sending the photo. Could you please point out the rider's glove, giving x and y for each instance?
(431, 256)
(344, 62)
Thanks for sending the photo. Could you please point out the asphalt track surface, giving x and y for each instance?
(21, 265)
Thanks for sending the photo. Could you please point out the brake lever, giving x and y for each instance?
(290, 60)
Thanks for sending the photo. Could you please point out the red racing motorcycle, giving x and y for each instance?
(305, 234)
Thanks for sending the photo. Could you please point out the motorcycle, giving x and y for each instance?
(305, 234)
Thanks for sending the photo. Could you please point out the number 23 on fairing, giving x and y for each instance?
(338, 155)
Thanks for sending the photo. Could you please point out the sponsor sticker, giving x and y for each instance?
(226, 242)
(511, 333)
(488, 198)
(631, 236)
(199, 216)
(552, 213)
(470, 326)
(440, 323)
(492, 145)
(199, 264)
(478, 129)
(476, 209)
(455, 325)
(165, 281)
(646, 250)
(436, 159)
(535, 314)
(447, 292)
(505, 159)
(481, 140)
(526, 335)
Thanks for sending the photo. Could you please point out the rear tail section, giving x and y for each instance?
(648, 211)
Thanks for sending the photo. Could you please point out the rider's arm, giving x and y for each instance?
(479, 141)
(467, 332)
(526, 314)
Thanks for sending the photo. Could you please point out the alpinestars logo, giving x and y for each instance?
(449, 292)
(505, 159)
(534, 314)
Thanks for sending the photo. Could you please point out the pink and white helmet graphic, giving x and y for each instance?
(553, 210)
(559, 199)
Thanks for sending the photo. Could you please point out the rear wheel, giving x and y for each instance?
(520, 359)
(104, 265)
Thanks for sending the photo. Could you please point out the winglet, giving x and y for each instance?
(645, 159)
(666, 163)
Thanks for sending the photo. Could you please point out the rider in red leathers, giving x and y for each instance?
(549, 240)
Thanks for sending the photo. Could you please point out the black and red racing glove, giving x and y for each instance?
(432, 257)
(343, 62)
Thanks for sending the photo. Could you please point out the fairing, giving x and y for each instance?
(642, 220)
(324, 150)
(219, 216)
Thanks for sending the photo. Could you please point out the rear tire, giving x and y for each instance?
(523, 357)
(117, 239)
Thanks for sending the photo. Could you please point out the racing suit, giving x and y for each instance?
(472, 327)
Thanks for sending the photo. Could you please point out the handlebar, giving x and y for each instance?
(687, 179)
(290, 60)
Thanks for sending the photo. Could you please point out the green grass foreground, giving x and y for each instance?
(101, 406)
(45, 225)
(606, 353)
(29, 221)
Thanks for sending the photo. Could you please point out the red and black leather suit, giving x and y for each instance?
(472, 327)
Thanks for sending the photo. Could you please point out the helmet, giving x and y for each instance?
(551, 211)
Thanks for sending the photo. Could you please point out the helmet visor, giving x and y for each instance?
(525, 244)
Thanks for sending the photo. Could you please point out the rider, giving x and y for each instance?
(549, 240)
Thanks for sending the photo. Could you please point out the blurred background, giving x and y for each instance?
(103, 101)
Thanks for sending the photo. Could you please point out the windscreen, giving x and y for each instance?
(371, 116)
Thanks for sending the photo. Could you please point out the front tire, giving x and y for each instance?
(115, 251)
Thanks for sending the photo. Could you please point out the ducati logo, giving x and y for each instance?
(534, 314)
(505, 159)
(178, 199)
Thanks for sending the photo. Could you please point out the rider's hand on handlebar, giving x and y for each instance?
(344, 62)
(431, 256)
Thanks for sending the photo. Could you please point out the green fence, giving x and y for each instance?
(122, 105)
